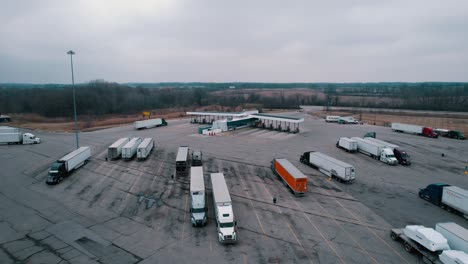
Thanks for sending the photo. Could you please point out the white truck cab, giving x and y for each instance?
(225, 224)
(387, 156)
(29, 138)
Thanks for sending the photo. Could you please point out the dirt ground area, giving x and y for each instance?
(451, 123)
(92, 123)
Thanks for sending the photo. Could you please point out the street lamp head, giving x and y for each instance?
(71, 52)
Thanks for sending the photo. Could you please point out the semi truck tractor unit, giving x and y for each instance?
(129, 149)
(226, 225)
(290, 175)
(19, 138)
(347, 144)
(115, 150)
(455, 134)
(63, 167)
(400, 154)
(198, 208)
(450, 198)
(376, 151)
(197, 158)
(182, 161)
(329, 166)
(414, 129)
(145, 148)
(157, 122)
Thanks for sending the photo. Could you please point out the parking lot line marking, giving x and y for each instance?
(185, 217)
(318, 230)
(350, 236)
(372, 231)
(156, 175)
(251, 204)
(289, 227)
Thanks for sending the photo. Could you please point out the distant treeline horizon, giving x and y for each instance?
(101, 97)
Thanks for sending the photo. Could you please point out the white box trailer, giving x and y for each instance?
(19, 138)
(129, 149)
(456, 235)
(456, 198)
(198, 206)
(149, 123)
(226, 225)
(65, 165)
(115, 150)
(386, 144)
(376, 151)
(331, 118)
(145, 147)
(8, 129)
(347, 144)
(332, 167)
(407, 128)
(182, 161)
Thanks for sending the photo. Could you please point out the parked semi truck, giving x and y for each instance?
(198, 206)
(224, 215)
(329, 166)
(115, 150)
(63, 167)
(157, 122)
(291, 176)
(145, 148)
(182, 161)
(450, 198)
(347, 144)
(376, 151)
(414, 129)
(456, 235)
(129, 149)
(197, 158)
(400, 154)
(19, 138)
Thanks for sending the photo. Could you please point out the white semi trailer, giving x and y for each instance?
(144, 149)
(129, 150)
(347, 144)
(225, 223)
(115, 150)
(451, 198)
(332, 167)
(376, 151)
(19, 138)
(198, 206)
(63, 167)
(456, 235)
(149, 123)
(385, 143)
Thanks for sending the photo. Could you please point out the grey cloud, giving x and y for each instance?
(274, 41)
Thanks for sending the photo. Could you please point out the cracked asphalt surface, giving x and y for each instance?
(98, 215)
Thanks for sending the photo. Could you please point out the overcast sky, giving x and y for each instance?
(223, 41)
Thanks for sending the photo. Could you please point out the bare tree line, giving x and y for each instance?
(96, 98)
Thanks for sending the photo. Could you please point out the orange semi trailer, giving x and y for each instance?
(295, 179)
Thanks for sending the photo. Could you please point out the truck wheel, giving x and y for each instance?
(408, 247)
(60, 179)
(393, 236)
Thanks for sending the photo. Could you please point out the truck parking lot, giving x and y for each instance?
(117, 211)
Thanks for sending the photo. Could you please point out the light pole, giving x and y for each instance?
(71, 53)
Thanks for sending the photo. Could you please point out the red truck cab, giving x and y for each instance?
(429, 132)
